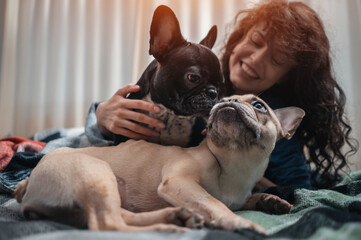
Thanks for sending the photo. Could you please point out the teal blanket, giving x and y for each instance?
(323, 214)
(317, 214)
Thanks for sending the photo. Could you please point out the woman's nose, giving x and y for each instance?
(259, 54)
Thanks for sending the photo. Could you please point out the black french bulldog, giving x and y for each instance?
(184, 79)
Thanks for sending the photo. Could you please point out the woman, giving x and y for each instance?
(278, 50)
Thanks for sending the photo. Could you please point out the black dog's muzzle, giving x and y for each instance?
(212, 93)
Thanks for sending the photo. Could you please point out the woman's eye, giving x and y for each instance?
(277, 62)
(193, 78)
(257, 39)
(259, 106)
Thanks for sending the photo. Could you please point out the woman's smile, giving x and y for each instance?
(248, 71)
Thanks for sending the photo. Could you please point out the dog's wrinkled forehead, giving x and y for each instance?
(196, 55)
(199, 52)
(197, 60)
(252, 101)
(243, 98)
(258, 106)
(255, 104)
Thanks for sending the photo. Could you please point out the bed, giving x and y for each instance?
(323, 214)
(316, 214)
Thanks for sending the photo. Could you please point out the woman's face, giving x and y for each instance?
(255, 65)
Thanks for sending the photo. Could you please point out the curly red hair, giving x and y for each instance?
(299, 33)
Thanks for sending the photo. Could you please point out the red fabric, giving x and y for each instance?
(10, 145)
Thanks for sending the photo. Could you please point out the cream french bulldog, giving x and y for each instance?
(142, 186)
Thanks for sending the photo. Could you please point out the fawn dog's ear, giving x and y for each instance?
(290, 118)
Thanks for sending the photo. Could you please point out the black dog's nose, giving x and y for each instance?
(212, 93)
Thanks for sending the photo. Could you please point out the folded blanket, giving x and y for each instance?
(19, 168)
(322, 214)
(10, 145)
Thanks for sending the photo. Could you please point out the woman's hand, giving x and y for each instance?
(117, 115)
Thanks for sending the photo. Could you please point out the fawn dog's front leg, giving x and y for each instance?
(185, 192)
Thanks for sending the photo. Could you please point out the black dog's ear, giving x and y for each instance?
(165, 33)
(211, 37)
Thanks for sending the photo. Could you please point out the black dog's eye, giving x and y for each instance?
(193, 78)
(259, 106)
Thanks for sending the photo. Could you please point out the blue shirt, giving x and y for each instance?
(287, 166)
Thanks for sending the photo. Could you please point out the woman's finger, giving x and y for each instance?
(139, 118)
(134, 128)
(124, 91)
(140, 105)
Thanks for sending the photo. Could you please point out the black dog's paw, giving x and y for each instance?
(267, 203)
(273, 204)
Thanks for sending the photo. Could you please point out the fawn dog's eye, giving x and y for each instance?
(259, 106)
